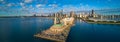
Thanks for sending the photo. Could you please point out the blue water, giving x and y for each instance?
(23, 29)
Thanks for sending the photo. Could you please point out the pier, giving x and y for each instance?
(53, 34)
(59, 31)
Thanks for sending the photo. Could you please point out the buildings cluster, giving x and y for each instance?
(61, 22)
(84, 15)
(92, 14)
(63, 18)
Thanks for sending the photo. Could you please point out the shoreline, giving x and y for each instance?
(102, 22)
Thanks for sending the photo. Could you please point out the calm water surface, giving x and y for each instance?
(23, 29)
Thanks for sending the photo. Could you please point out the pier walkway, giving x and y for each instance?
(55, 33)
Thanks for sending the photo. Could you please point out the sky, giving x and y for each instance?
(30, 7)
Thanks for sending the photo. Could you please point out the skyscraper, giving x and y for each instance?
(92, 12)
(72, 14)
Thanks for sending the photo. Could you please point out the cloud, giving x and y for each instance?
(22, 4)
(9, 4)
(28, 1)
(53, 5)
(39, 5)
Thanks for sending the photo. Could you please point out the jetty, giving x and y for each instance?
(55, 33)
(59, 31)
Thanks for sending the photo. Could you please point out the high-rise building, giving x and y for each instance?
(34, 15)
(72, 14)
(92, 12)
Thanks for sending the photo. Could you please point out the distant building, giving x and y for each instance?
(53, 15)
(93, 14)
(72, 14)
(83, 15)
(34, 15)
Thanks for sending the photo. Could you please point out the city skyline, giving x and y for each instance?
(30, 7)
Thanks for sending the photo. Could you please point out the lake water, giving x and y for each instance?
(23, 29)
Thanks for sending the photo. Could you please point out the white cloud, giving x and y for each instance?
(22, 4)
(39, 5)
(28, 1)
(53, 5)
(9, 4)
